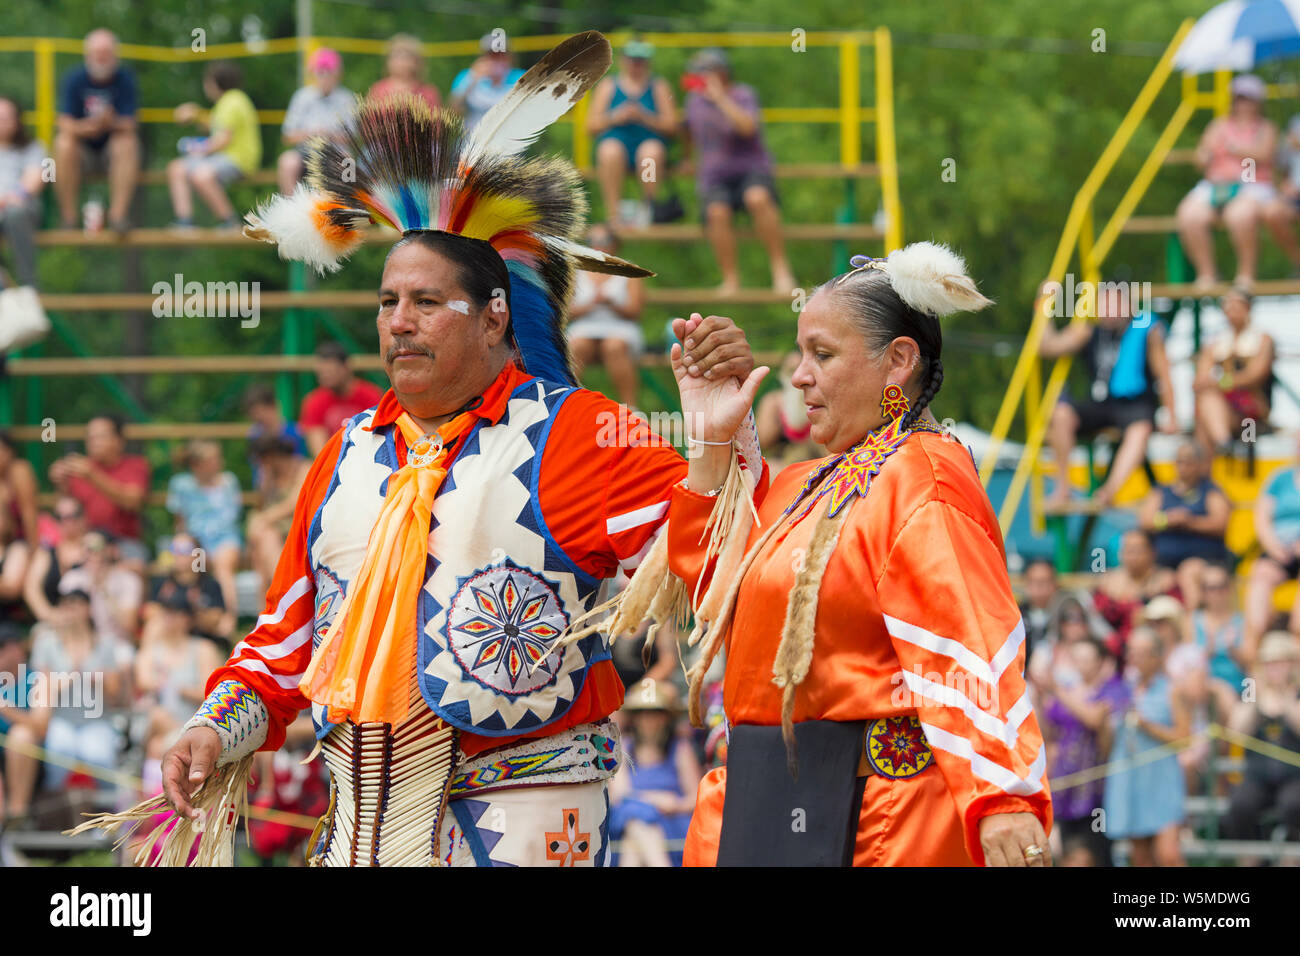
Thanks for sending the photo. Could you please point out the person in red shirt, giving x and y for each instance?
(110, 484)
(340, 395)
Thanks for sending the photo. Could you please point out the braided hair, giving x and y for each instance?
(882, 316)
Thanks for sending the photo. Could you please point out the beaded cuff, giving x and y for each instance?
(238, 716)
(747, 446)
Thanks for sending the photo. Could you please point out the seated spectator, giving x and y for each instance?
(69, 652)
(338, 396)
(1285, 208)
(1219, 629)
(14, 558)
(49, 563)
(18, 724)
(1271, 715)
(1077, 720)
(1234, 377)
(781, 419)
(179, 571)
(206, 501)
(283, 471)
(171, 669)
(733, 167)
(22, 162)
(1041, 596)
(18, 490)
(97, 131)
(115, 588)
(1144, 797)
(110, 484)
(1277, 528)
(1127, 367)
(1188, 669)
(1123, 590)
(263, 409)
(633, 116)
(318, 109)
(1187, 520)
(1236, 154)
(486, 81)
(605, 320)
(231, 150)
(653, 794)
(405, 66)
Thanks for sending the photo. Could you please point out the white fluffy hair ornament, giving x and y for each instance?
(929, 277)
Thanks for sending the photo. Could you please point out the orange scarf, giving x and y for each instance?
(362, 669)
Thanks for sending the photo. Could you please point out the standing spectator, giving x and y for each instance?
(1234, 376)
(1041, 595)
(1144, 800)
(49, 563)
(654, 792)
(206, 501)
(318, 109)
(115, 589)
(338, 396)
(1127, 367)
(231, 150)
(22, 161)
(1277, 528)
(179, 572)
(1236, 153)
(1273, 716)
(110, 484)
(283, 471)
(733, 166)
(633, 116)
(1122, 591)
(486, 81)
(1219, 629)
(1077, 723)
(405, 66)
(605, 320)
(1187, 520)
(18, 491)
(97, 132)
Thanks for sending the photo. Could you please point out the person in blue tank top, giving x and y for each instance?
(1128, 378)
(1187, 520)
(632, 115)
(1277, 527)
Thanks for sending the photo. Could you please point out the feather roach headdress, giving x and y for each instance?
(404, 166)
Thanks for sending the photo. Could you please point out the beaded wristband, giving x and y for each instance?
(238, 716)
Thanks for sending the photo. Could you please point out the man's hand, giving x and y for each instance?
(1005, 836)
(714, 347)
(191, 760)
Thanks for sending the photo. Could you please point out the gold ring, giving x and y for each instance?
(1032, 851)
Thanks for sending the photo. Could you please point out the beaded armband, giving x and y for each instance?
(238, 716)
(746, 439)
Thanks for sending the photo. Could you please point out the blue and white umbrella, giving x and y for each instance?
(1240, 34)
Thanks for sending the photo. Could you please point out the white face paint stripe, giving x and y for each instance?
(460, 305)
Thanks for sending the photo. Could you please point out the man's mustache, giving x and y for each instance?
(405, 345)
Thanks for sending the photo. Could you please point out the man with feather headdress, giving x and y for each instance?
(447, 537)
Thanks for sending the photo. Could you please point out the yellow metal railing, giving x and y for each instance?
(1078, 238)
(850, 114)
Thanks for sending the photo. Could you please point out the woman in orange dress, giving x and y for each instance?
(874, 652)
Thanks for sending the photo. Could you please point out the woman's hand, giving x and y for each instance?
(1006, 836)
(715, 375)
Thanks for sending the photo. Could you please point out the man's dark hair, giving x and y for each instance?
(114, 419)
(333, 351)
(22, 136)
(226, 76)
(259, 393)
(1041, 560)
